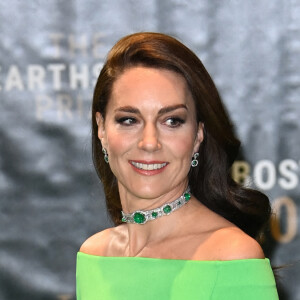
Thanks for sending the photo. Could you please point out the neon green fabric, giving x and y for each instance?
(116, 278)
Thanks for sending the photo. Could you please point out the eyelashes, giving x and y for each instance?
(172, 122)
(126, 121)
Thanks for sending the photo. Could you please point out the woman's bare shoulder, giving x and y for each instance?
(231, 243)
(99, 243)
(238, 245)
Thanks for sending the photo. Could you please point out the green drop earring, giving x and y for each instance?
(105, 154)
(194, 162)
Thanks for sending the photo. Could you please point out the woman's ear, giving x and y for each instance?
(101, 129)
(199, 137)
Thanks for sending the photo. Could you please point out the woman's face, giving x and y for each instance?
(150, 131)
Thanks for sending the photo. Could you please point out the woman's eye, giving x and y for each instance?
(126, 121)
(174, 122)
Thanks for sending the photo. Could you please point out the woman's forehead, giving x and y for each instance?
(143, 85)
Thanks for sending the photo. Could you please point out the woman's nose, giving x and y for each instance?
(149, 140)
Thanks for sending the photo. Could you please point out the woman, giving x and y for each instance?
(184, 228)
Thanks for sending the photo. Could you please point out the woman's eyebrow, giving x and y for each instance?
(129, 109)
(164, 110)
(170, 108)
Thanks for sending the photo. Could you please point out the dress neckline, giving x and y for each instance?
(169, 259)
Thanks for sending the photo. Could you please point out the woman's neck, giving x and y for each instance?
(141, 236)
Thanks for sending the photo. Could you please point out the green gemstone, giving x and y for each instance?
(123, 219)
(139, 218)
(154, 214)
(194, 163)
(167, 209)
(187, 197)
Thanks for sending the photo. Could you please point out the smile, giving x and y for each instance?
(148, 167)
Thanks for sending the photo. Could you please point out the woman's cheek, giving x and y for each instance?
(183, 145)
(119, 143)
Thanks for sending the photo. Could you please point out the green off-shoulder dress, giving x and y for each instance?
(129, 278)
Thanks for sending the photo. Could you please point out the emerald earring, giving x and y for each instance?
(194, 162)
(105, 154)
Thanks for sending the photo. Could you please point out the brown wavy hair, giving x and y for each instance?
(211, 180)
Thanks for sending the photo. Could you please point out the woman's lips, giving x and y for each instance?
(149, 167)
